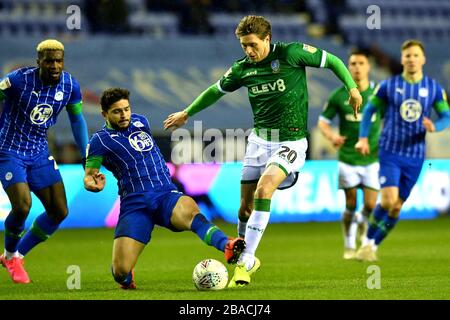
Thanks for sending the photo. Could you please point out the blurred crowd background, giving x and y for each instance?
(167, 52)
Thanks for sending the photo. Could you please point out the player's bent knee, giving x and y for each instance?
(22, 209)
(264, 192)
(58, 214)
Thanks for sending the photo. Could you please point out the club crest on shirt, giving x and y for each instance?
(411, 110)
(140, 141)
(41, 113)
(275, 64)
(59, 96)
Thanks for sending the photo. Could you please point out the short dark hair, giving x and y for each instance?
(254, 24)
(359, 52)
(111, 96)
(411, 43)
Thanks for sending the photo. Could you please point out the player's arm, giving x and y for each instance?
(324, 124)
(203, 101)
(229, 82)
(94, 181)
(303, 54)
(374, 104)
(340, 70)
(78, 125)
(443, 111)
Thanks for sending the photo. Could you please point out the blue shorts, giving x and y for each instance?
(39, 172)
(140, 211)
(401, 172)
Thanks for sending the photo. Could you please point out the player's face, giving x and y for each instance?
(51, 64)
(119, 114)
(413, 59)
(255, 48)
(359, 67)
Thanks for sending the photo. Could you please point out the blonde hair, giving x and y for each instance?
(49, 44)
(411, 43)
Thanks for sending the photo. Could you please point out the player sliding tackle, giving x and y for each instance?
(147, 195)
(275, 76)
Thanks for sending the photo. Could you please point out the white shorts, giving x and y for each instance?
(351, 176)
(288, 155)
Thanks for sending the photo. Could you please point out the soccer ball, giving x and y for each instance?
(210, 274)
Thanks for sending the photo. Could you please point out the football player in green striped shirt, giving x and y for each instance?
(355, 170)
(275, 76)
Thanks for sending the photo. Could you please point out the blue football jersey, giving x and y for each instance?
(31, 108)
(406, 106)
(132, 156)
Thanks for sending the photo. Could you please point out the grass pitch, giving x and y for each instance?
(298, 261)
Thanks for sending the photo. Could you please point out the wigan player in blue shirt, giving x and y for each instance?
(33, 97)
(407, 100)
(147, 195)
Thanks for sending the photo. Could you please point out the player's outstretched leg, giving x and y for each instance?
(213, 236)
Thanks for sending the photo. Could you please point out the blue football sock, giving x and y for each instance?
(14, 227)
(379, 213)
(124, 279)
(385, 227)
(209, 233)
(43, 227)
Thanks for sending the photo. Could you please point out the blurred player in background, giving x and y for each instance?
(34, 97)
(407, 100)
(355, 171)
(147, 195)
(275, 76)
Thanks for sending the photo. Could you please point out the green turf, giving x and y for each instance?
(298, 261)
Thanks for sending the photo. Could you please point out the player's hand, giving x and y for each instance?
(338, 140)
(176, 120)
(428, 124)
(362, 146)
(95, 182)
(355, 101)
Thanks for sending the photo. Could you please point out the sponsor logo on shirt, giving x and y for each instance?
(411, 110)
(8, 176)
(141, 141)
(277, 85)
(41, 113)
